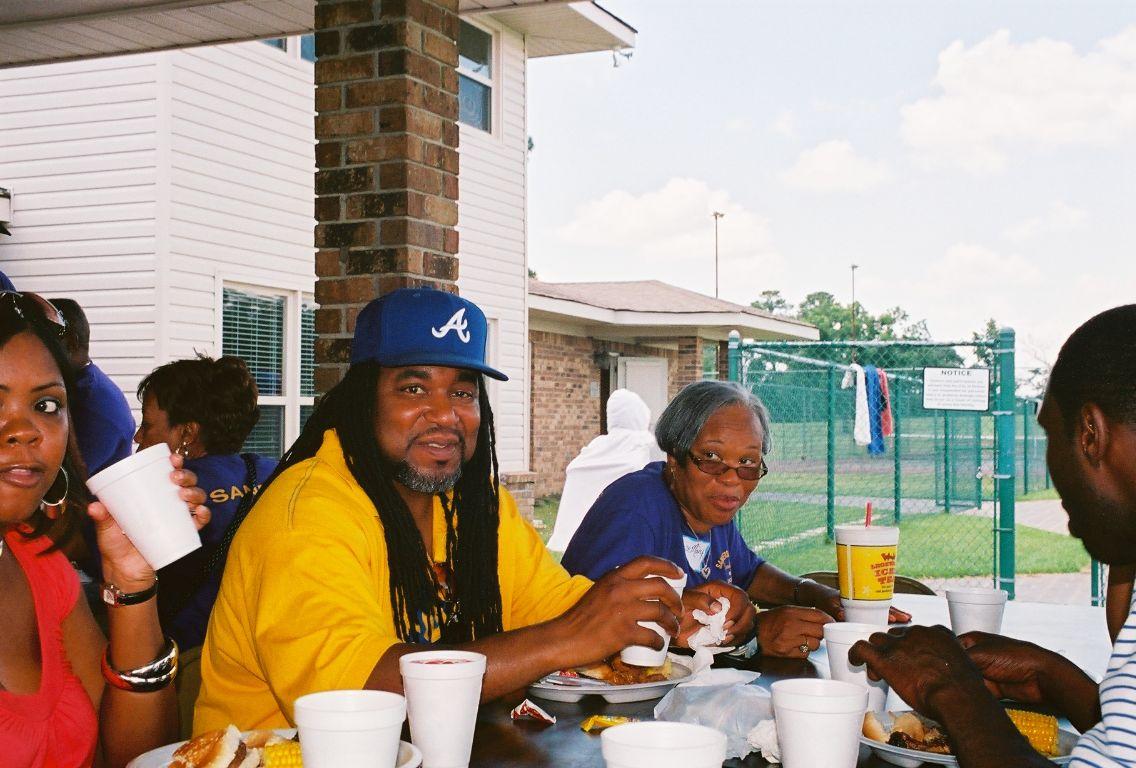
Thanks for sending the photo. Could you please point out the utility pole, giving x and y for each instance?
(855, 335)
(717, 215)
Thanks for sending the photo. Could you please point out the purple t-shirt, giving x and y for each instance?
(637, 515)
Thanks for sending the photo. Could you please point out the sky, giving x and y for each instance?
(975, 159)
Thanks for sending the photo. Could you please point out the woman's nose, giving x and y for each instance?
(19, 431)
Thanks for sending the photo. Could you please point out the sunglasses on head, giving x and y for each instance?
(33, 308)
(747, 472)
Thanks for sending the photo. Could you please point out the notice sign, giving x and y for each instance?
(956, 389)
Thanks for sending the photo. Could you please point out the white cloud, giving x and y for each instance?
(1060, 217)
(997, 95)
(785, 124)
(739, 126)
(834, 166)
(665, 234)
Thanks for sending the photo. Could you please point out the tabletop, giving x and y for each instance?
(1076, 631)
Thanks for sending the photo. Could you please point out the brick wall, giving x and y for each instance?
(565, 413)
(689, 364)
(386, 158)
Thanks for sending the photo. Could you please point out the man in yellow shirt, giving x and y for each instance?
(384, 527)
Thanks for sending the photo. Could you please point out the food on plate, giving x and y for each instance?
(911, 731)
(1041, 730)
(616, 672)
(216, 749)
(229, 749)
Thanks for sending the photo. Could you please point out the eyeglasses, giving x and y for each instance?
(747, 472)
(33, 308)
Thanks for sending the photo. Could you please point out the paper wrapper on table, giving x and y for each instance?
(597, 723)
(734, 709)
(707, 641)
(763, 739)
(526, 710)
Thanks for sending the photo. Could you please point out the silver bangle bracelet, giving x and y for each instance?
(797, 590)
(149, 677)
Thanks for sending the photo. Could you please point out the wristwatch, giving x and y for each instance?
(112, 595)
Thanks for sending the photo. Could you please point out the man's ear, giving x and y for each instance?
(1093, 434)
(190, 432)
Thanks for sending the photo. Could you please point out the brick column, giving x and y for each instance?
(386, 157)
(689, 361)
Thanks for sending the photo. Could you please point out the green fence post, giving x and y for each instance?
(1026, 445)
(977, 460)
(1004, 467)
(830, 502)
(897, 483)
(948, 463)
(1095, 580)
(735, 356)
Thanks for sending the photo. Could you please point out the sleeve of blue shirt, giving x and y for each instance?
(745, 561)
(5, 283)
(613, 533)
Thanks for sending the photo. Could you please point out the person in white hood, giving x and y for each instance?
(627, 447)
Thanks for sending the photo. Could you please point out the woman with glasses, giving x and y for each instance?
(68, 697)
(716, 436)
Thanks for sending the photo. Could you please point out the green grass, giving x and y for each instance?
(1045, 494)
(925, 549)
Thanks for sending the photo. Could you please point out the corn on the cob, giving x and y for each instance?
(285, 755)
(1041, 730)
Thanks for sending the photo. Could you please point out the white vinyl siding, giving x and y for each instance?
(79, 150)
(491, 223)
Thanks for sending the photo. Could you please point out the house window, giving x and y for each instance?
(709, 359)
(277, 42)
(475, 77)
(308, 48)
(255, 327)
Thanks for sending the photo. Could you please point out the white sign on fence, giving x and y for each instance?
(956, 389)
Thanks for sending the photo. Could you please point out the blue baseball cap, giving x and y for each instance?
(423, 326)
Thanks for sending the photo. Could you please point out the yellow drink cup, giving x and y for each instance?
(865, 563)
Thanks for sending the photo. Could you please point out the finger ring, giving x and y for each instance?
(804, 648)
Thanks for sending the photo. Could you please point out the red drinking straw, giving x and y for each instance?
(867, 514)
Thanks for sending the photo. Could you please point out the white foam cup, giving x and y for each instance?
(819, 722)
(643, 655)
(976, 609)
(443, 690)
(874, 612)
(839, 636)
(350, 729)
(144, 501)
(660, 744)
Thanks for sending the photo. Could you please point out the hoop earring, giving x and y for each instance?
(63, 496)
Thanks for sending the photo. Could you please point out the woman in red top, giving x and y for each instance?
(68, 698)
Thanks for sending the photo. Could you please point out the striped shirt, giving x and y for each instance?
(1112, 742)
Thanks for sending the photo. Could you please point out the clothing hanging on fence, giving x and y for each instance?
(872, 387)
(861, 432)
(887, 422)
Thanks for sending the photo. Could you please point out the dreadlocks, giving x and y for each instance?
(472, 514)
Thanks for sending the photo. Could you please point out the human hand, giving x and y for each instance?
(919, 663)
(605, 620)
(739, 621)
(123, 564)
(791, 631)
(1011, 669)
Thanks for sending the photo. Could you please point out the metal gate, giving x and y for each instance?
(947, 477)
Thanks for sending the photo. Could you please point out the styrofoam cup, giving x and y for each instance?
(443, 690)
(839, 636)
(866, 611)
(645, 656)
(350, 729)
(661, 744)
(819, 722)
(976, 609)
(144, 501)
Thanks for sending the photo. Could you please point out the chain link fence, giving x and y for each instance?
(948, 478)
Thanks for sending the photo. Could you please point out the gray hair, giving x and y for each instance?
(687, 414)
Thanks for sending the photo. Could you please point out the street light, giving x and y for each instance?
(717, 215)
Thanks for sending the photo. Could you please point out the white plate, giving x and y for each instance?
(613, 694)
(408, 754)
(911, 758)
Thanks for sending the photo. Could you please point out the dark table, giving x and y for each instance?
(502, 742)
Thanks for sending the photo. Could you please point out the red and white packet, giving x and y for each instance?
(526, 710)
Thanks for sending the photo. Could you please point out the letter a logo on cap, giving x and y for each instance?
(458, 324)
